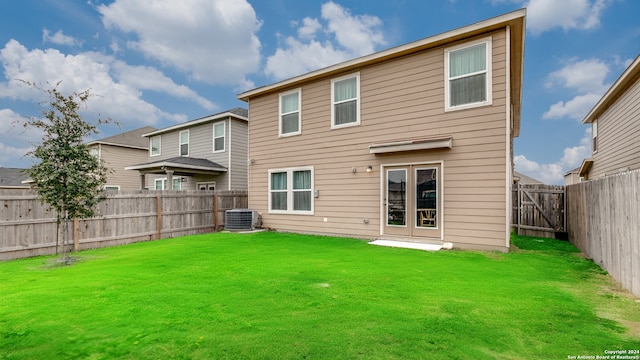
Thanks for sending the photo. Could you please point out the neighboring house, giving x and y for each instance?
(12, 178)
(209, 153)
(119, 150)
(523, 179)
(572, 177)
(615, 125)
(412, 143)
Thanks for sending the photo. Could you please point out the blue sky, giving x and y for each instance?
(162, 62)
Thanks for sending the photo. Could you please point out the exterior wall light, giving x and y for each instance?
(369, 168)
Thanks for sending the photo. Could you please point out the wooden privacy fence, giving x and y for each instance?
(28, 228)
(604, 223)
(539, 210)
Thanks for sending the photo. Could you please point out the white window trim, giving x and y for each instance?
(224, 143)
(164, 180)
(488, 71)
(180, 143)
(358, 101)
(438, 192)
(299, 111)
(159, 145)
(290, 191)
(206, 183)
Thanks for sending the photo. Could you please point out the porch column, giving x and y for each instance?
(143, 183)
(169, 180)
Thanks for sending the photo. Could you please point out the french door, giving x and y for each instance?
(411, 200)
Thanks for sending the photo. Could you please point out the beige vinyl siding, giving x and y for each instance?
(618, 133)
(116, 158)
(401, 99)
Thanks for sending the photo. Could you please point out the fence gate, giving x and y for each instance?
(539, 210)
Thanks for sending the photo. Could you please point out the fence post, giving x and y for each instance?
(519, 210)
(158, 217)
(76, 234)
(215, 212)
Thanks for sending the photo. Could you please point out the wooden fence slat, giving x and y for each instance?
(603, 222)
(28, 228)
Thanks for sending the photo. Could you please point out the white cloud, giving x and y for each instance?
(358, 34)
(309, 28)
(58, 38)
(212, 40)
(117, 86)
(584, 75)
(587, 78)
(553, 173)
(15, 141)
(543, 15)
(576, 108)
(346, 36)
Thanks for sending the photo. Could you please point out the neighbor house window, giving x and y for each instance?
(161, 184)
(345, 101)
(594, 134)
(291, 191)
(154, 145)
(290, 118)
(218, 137)
(468, 75)
(112, 187)
(184, 143)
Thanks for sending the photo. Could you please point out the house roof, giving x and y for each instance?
(238, 113)
(13, 178)
(514, 20)
(131, 139)
(628, 78)
(180, 165)
(524, 179)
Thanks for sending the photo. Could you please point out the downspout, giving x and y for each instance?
(508, 142)
(230, 172)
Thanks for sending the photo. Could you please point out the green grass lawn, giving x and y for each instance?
(285, 296)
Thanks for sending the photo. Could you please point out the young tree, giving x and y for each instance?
(66, 177)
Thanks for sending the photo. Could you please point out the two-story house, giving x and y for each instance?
(414, 143)
(615, 128)
(119, 150)
(209, 153)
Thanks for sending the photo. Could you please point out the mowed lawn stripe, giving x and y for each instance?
(288, 296)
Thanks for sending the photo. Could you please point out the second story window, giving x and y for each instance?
(290, 113)
(468, 75)
(218, 137)
(154, 145)
(184, 143)
(345, 101)
(594, 135)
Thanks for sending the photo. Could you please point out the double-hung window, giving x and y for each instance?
(345, 101)
(161, 184)
(290, 118)
(154, 145)
(184, 143)
(218, 137)
(291, 191)
(468, 75)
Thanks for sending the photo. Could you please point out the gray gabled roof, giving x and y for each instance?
(238, 113)
(180, 162)
(13, 178)
(132, 139)
(526, 180)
